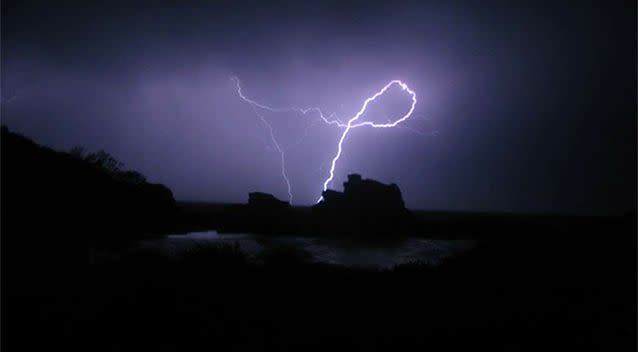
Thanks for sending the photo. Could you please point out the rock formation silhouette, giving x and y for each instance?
(260, 200)
(365, 208)
(364, 194)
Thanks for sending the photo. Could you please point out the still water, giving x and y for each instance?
(326, 250)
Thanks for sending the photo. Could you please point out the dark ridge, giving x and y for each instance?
(55, 203)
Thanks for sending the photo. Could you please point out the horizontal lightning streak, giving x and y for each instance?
(303, 111)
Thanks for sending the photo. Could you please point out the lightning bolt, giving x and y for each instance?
(281, 152)
(304, 111)
(352, 125)
(330, 120)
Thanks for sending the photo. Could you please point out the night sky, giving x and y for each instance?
(527, 108)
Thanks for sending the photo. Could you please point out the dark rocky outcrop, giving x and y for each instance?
(364, 194)
(365, 208)
(260, 200)
(264, 214)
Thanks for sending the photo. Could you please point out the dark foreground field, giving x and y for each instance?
(528, 295)
(532, 282)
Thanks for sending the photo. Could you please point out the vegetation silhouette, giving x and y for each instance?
(64, 202)
(542, 282)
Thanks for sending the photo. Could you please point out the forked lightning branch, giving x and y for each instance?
(351, 124)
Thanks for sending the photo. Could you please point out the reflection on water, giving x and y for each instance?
(327, 250)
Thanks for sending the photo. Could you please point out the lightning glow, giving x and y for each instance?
(303, 111)
(281, 153)
(350, 124)
(330, 120)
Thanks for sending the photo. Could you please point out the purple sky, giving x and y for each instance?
(533, 106)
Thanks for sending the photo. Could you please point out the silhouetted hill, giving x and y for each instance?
(57, 200)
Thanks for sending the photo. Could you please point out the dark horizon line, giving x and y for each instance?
(457, 211)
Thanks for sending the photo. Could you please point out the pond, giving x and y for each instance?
(345, 252)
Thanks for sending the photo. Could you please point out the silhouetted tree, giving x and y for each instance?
(105, 161)
(77, 152)
(132, 177)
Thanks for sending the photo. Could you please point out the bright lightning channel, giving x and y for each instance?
(281, 153)
(352, 125)
(330, 121)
